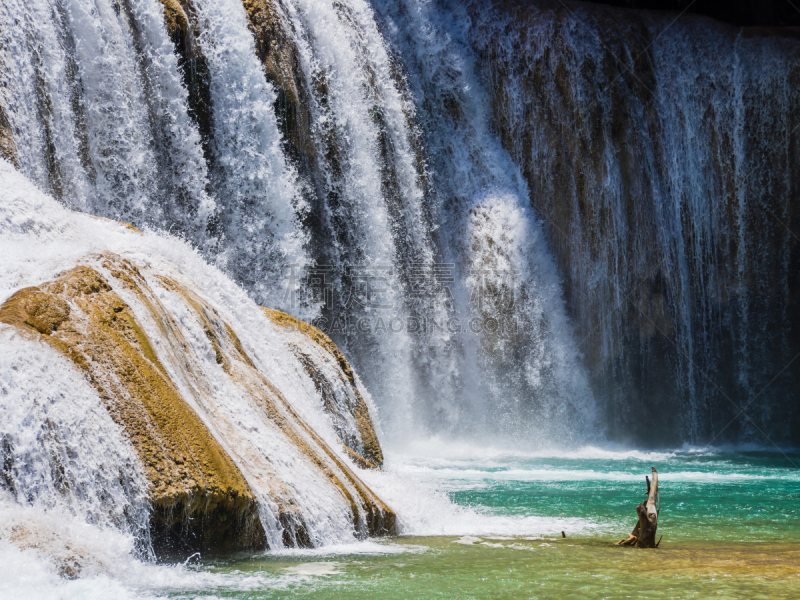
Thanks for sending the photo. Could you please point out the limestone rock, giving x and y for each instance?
(201, 500)
(210, 483)
(366, 447)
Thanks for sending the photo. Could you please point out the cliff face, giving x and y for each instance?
(662, 159)
(238, 453)
(759, 13)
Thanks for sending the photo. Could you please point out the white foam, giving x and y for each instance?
(456, 479)
(370, 547)
(316, 568)
(436, 448)
(424, 509)
(108, 566)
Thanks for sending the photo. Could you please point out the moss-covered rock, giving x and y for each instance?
(175, 19)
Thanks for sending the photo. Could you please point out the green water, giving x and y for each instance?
(730, 521)
(743, 497)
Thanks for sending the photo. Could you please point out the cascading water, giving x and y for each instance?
(60, 450)
(465, 333)
(260, 205)
(662, 158)
(522, 373)
(97, 104)
(378, 222)
(98, 111)
(417, 177)
(369, 201)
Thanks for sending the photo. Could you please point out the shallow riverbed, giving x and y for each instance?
(729, 521)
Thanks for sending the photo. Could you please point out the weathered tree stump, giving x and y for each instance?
(644, 533)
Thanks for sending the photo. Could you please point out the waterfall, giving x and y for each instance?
(99, 113)
(259, 198)
(365, 203)
(527, 379)
(500, 213)
(662, 158)
(370, 204)
(376, 199)
(524, 224)
(66, 444)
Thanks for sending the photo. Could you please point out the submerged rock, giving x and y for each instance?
(69, 559)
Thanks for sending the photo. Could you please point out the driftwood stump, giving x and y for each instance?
(644, 533)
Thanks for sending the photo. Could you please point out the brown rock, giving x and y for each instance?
(201, 500)
(275, 48)
(370, 449)
(8, 148)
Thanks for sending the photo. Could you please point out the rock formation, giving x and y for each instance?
(275, 48)
(201, 498)
(364, 448)
(8, 148)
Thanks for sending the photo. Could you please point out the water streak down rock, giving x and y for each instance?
(364, 447)
(207, 487)
(662, 158)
